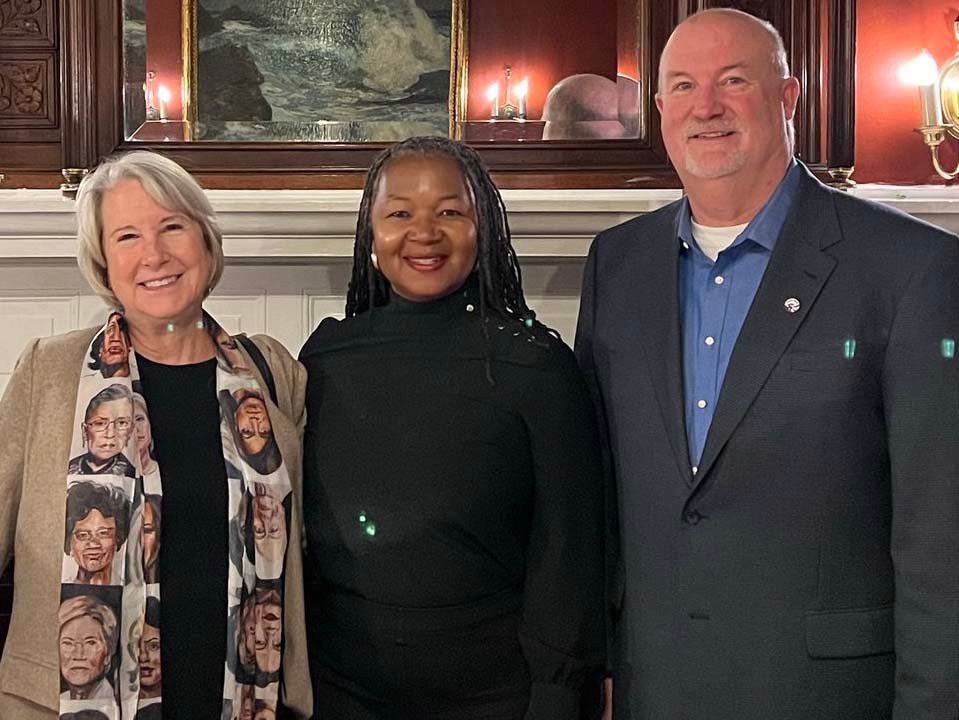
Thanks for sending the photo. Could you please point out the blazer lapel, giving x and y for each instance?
(797, 271)
(658, 293)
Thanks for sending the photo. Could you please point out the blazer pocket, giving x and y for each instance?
(849, 633)
(31, 680)
(840, 358)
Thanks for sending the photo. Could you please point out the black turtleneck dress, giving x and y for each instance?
(454, 525)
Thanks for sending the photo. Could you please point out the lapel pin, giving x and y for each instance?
(791, 305)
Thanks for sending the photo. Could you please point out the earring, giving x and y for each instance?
(376, 263)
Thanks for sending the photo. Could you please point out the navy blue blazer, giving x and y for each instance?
(810, 568)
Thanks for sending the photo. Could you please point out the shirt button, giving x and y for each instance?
(710, 340)
(701, 404)
(719, 280)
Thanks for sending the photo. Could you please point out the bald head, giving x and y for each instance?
(737, 23)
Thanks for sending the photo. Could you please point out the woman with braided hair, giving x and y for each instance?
(452, 486)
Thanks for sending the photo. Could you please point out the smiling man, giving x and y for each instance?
(773, 369)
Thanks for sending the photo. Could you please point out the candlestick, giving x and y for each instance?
(149, 96)
(923, 73)
(521, 92)
(931, 104)
(492, 94)
(164, 95)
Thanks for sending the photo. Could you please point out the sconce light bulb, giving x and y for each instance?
(921, 70)
(492, 92)
(164, 93)
(522, 89)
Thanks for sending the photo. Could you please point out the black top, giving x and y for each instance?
(185, 419)
(455, 525)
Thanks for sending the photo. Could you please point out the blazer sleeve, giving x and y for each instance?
(290, 376)
(921, 404)
(614, 575)
(561, 632)
(15, 409)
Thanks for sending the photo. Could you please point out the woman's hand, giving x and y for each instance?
(607, 699)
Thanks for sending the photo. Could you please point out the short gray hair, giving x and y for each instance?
(168, 184)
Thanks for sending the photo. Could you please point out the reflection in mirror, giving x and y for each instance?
(577, 66)
(287, 70)
(355, 71)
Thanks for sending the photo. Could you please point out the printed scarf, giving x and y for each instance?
(110, 599)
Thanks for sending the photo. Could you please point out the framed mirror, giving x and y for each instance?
(340, 81)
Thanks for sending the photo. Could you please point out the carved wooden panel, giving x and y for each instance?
(27, 91)
(28, 23)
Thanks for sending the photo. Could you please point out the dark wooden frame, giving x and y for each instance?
(820, 40)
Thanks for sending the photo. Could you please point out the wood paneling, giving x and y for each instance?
(83, 102)
(28, 91)
(28, 23)
(30, 132)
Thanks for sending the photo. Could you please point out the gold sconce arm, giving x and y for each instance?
(933, 136)
(939, 100)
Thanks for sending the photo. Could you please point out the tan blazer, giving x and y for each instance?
(36, 428)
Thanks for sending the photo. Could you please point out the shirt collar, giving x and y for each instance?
(766, 225)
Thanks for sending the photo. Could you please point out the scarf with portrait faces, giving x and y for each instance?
(110, 599)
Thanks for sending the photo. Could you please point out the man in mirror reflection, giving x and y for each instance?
(769, 361)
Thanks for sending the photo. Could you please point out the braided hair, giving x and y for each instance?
(500, 279)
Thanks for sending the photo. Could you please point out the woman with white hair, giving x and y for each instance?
(150, 246)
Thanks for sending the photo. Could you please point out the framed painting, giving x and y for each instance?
(325, 71)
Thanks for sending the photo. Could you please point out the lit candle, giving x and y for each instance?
(164, 96)
(492, 94)
(923, 73)
(521, 91)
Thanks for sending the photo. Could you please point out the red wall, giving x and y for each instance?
(164, 50)
(543, 46)
(546, 47)
(890, 33)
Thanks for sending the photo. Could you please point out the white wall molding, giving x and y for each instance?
(305, 226)
(289, 254)
(308, 226)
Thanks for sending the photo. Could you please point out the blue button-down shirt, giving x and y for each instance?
(714, 299)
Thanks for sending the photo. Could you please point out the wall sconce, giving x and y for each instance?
(939, 97)
(508, 111)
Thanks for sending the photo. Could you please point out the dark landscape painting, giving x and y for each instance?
(322, 70)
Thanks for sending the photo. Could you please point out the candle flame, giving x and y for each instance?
(522, 88)
(921, 70)
(492, 92)
(164, 93)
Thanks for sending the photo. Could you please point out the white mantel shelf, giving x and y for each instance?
(309, 226)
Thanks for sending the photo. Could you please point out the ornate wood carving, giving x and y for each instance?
(27, 23)
(26, 86)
